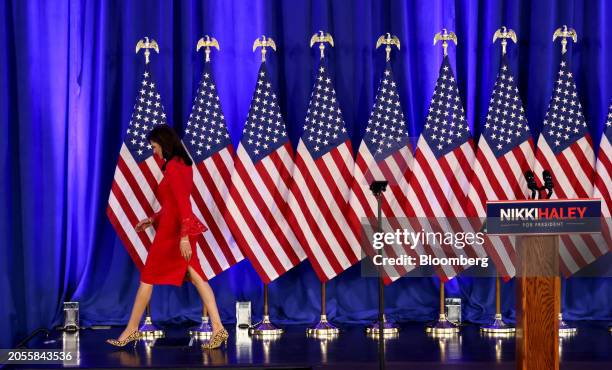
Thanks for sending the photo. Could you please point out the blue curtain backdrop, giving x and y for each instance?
(68, 78)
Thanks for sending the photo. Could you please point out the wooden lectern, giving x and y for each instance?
(538, 303)
(538, 225)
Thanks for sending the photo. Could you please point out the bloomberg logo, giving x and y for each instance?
(545, 216)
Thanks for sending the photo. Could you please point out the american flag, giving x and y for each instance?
(257, 211)
(442, 167)
(137, 174)
(603, 180)
(505, 153)
(384, 154)
(208, 142)
(565, 148)
(322, 177)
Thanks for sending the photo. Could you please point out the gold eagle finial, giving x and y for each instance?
(147, 44)
(565, 32)
(388, 40)
(445, 36)
(264, 42)
(504, 34)
(207, 42)
(322, 38)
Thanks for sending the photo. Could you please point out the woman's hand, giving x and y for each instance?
(185, 248)
(143, 224)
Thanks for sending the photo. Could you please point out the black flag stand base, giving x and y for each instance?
(265, 328)
(148, 330)
(442, 327)
(323, 329)
(204, 330)
(498, 328)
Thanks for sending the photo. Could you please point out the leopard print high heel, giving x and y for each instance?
(134, 337)
(217, 340)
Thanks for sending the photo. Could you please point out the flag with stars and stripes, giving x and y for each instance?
(257, 211)
(208, 142)
(505, 153)
(322, 177)
(137, 174)
(442, 167)
(384, 154)
(603, 180)
(565, 149)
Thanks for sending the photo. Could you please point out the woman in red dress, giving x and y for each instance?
(172, 257)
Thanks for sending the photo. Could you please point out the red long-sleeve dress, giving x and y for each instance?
(175, 219)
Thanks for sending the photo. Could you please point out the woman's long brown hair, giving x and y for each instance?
(170, 143)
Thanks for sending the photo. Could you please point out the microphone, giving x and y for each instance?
(378, 186)
(549, 183)
(532, 184)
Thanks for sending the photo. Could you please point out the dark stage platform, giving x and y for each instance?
(590, 349)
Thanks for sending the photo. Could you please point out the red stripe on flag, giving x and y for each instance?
(571, 176)
(208, 254)
(148, 175)
(212, 224)
(280, 202)
(129, 212)
(312, 224)
(336, 154)
(124, 238)
(224, 171)
(252, 224)
(141, 198)
(435, 186)
(336, 194)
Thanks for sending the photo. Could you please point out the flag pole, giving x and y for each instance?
(148, 330)
(265, 327)
(443, 327)
(381, 325)
(322, 329)
(564, 32)
(565, 329)
(204, 330)
(498, 327)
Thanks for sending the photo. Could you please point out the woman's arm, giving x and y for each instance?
(181, 189)
(149, 221)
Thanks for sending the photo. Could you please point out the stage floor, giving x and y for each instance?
(590, 349)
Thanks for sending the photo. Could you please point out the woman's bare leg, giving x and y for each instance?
(208, 298)
(140, 303)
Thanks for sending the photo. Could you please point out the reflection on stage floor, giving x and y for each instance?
(352, 349)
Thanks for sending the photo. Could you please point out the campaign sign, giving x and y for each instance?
(544, 216)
